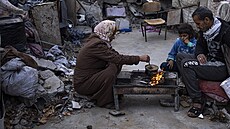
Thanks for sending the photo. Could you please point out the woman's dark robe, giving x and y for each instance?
(97, 68)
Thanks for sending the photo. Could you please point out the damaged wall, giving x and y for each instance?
(46, 20)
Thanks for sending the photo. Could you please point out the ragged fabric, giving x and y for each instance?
(31, 32)
(33, 40)
(11, 52)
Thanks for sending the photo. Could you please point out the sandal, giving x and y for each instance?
(196, 110)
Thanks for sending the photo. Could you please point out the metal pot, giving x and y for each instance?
(151, 69)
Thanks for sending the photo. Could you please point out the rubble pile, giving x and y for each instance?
(50, 92)
(19, 115)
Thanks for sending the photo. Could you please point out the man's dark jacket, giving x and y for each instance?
(224, 36)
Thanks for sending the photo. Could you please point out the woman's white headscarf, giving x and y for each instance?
(105, 29)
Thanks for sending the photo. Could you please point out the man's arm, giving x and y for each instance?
(201, 46)
(226, 39)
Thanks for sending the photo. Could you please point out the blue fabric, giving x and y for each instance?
(180, 47)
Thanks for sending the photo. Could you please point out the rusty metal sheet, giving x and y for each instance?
(150, 90)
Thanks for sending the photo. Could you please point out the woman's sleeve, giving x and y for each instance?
(103, 52)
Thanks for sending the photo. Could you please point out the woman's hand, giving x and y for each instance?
(144, 58)
(202, 58)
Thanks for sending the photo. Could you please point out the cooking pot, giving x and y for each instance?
(151, 69)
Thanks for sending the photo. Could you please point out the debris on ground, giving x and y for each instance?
(116, 113)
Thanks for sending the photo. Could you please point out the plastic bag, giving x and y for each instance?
(13, 65)
(20, 81)
(226, 86)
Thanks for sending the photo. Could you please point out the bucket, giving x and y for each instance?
(12, 31)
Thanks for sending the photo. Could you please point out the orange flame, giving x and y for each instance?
(156, 78)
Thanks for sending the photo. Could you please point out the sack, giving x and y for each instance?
(213, 90)
(20, 82)
(226, 86)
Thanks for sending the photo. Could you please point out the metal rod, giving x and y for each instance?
(81, 5)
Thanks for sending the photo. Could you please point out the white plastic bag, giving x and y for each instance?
(226, 86)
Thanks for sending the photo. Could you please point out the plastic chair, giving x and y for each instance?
(152, 17)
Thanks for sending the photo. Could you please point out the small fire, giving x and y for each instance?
(156, 78)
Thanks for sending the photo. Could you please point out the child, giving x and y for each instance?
(184, 44)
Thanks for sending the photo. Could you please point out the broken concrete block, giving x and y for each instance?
(46, 74)
(54, 85)
(43, 63)
(40, 90)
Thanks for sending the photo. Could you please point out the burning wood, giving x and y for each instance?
(157, 78)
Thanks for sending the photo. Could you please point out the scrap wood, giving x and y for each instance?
(47, 113)
(81, 5)
(70, 97)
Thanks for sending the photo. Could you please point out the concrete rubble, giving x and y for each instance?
(55, 104)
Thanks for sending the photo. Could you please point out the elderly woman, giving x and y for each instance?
(98, 65)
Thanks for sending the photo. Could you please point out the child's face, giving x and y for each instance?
(184, 36)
